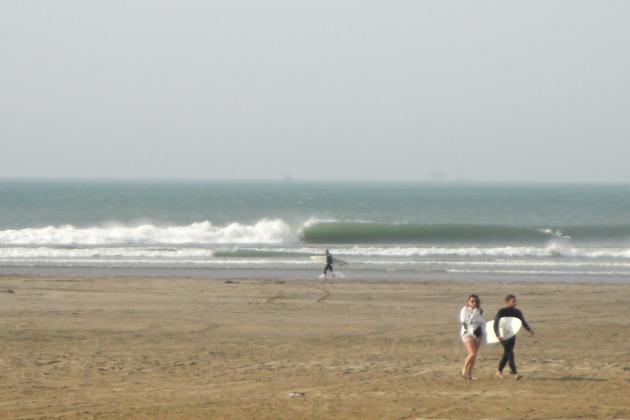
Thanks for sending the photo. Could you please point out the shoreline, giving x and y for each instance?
(150, 347)
(308, 276)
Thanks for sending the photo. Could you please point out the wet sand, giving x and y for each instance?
(194, 348)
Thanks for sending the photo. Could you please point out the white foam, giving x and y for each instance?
(556, 233)
(495, 263)
(338, 275)
(264, 231)
(94, 262)
(543, 272)
(368, 255)
(116, 252)
(551, 250)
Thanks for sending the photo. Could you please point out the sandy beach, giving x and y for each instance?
(195, 348)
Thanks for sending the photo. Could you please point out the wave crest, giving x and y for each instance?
(367, 232)
(264, 231)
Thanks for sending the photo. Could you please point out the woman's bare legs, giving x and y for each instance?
(476, 342)
(471, 346)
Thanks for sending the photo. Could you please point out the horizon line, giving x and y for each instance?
(289, 180)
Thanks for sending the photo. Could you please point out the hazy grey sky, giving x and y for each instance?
(476, 90)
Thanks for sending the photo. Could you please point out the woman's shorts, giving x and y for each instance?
(469, 338)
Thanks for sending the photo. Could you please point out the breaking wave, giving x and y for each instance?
(517, 239)
(264, 231)
(365, 254)
(334, 232)
(365, 232)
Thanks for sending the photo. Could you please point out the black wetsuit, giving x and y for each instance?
(508, 345)
(329, 264)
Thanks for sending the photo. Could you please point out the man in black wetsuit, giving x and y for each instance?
(329, 264)
(508, 345)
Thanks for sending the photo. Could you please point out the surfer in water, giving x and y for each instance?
(329, 264)
(508, 345)
(472, 328)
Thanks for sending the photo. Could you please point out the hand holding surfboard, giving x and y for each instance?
(508, 328)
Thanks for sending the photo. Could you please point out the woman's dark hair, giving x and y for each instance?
(472, 295)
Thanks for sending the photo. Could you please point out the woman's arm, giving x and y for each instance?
(463, 315)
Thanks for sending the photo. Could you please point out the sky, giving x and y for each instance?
(518, 91)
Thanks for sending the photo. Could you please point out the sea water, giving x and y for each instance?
(384, 231)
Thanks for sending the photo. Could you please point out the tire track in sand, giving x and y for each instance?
(272, 300)
(324, 296)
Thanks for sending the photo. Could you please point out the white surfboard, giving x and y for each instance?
(508, 328)
(322, 259)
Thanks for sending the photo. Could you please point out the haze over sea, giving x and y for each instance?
(385, 231)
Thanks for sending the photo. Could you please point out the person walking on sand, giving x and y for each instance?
(508, 345)
(329, 264)
(472, 329)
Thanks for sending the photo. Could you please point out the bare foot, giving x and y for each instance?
(499, 375)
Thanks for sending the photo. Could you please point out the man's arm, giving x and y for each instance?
(496, 323)
(525, 324)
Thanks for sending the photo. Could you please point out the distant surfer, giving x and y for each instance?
(472, 329)
(508, 345)
(329, 264)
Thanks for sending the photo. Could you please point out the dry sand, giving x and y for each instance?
(192, 348)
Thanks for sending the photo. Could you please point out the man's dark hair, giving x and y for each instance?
(509, 298)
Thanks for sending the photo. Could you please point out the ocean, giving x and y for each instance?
(383, 230)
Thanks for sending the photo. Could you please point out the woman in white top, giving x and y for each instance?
(473, 323)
